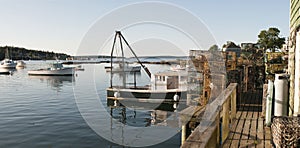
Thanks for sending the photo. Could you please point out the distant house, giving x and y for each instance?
(230, 46)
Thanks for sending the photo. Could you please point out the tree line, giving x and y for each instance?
(18, 53)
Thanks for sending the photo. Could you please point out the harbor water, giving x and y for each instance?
(42, 111)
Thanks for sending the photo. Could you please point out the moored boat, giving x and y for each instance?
(56, 69)
(7, 63)
(21, 64)
(164, 86)
(167, 86)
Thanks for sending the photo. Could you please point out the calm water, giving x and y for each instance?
(43, 112)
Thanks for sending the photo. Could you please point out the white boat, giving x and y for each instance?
(56, 69)
(21, 64)
(169, 85)
(7, 63)
(164, 86)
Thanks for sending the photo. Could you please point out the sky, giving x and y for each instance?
(62, 25)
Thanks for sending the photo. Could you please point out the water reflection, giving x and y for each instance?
(56, 82)
(143, 114)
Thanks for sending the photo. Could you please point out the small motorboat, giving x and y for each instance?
(56, 69)
(21, 64)
(7, 63)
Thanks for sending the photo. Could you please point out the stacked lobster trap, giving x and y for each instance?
(286, 131)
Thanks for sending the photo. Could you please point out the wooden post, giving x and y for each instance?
(233, 104)
(264, 100)
(225, 121)
(183, 134)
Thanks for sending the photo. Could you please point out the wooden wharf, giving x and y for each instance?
(228, 124)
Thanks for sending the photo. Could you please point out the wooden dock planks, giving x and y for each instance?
(229, 140)
(267, 131)
(252, 141)
(249, 132)
(238, 132)
(260, 133)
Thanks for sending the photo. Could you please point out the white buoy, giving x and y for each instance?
(116, 94)
(176, 98)
(281, 95)
(269, 102)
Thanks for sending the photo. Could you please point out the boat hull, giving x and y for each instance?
(146, 94)
(4, 72)
(8, 66)
(60, 72)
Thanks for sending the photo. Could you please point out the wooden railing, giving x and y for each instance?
(214, 120)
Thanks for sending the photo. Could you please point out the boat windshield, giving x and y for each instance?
(57, 65)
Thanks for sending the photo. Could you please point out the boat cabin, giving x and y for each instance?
(56, 66)
(169, 80)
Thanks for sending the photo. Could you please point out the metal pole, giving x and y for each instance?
(123, 61)
(144, 67)
(111, 60)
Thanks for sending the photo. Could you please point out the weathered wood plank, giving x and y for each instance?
(190, 113)
(249, 115)
(225, 121)
(204, 135)
(267, 136)
(233, 127)
(252, 135)
(245, 133)
(237, 134)
(207, 134)
(233, 105)
(260, 133)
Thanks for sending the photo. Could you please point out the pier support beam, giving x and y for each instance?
(183, 134)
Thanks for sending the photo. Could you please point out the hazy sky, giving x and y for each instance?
(60, 25)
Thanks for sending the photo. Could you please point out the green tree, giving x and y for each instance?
(214, 48)
(269, 39)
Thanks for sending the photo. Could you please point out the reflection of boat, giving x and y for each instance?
(167, 106)
(54, 81)
(127, 68)
(168, 86)
(56, 69)
(161, 114)
(21, 64)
